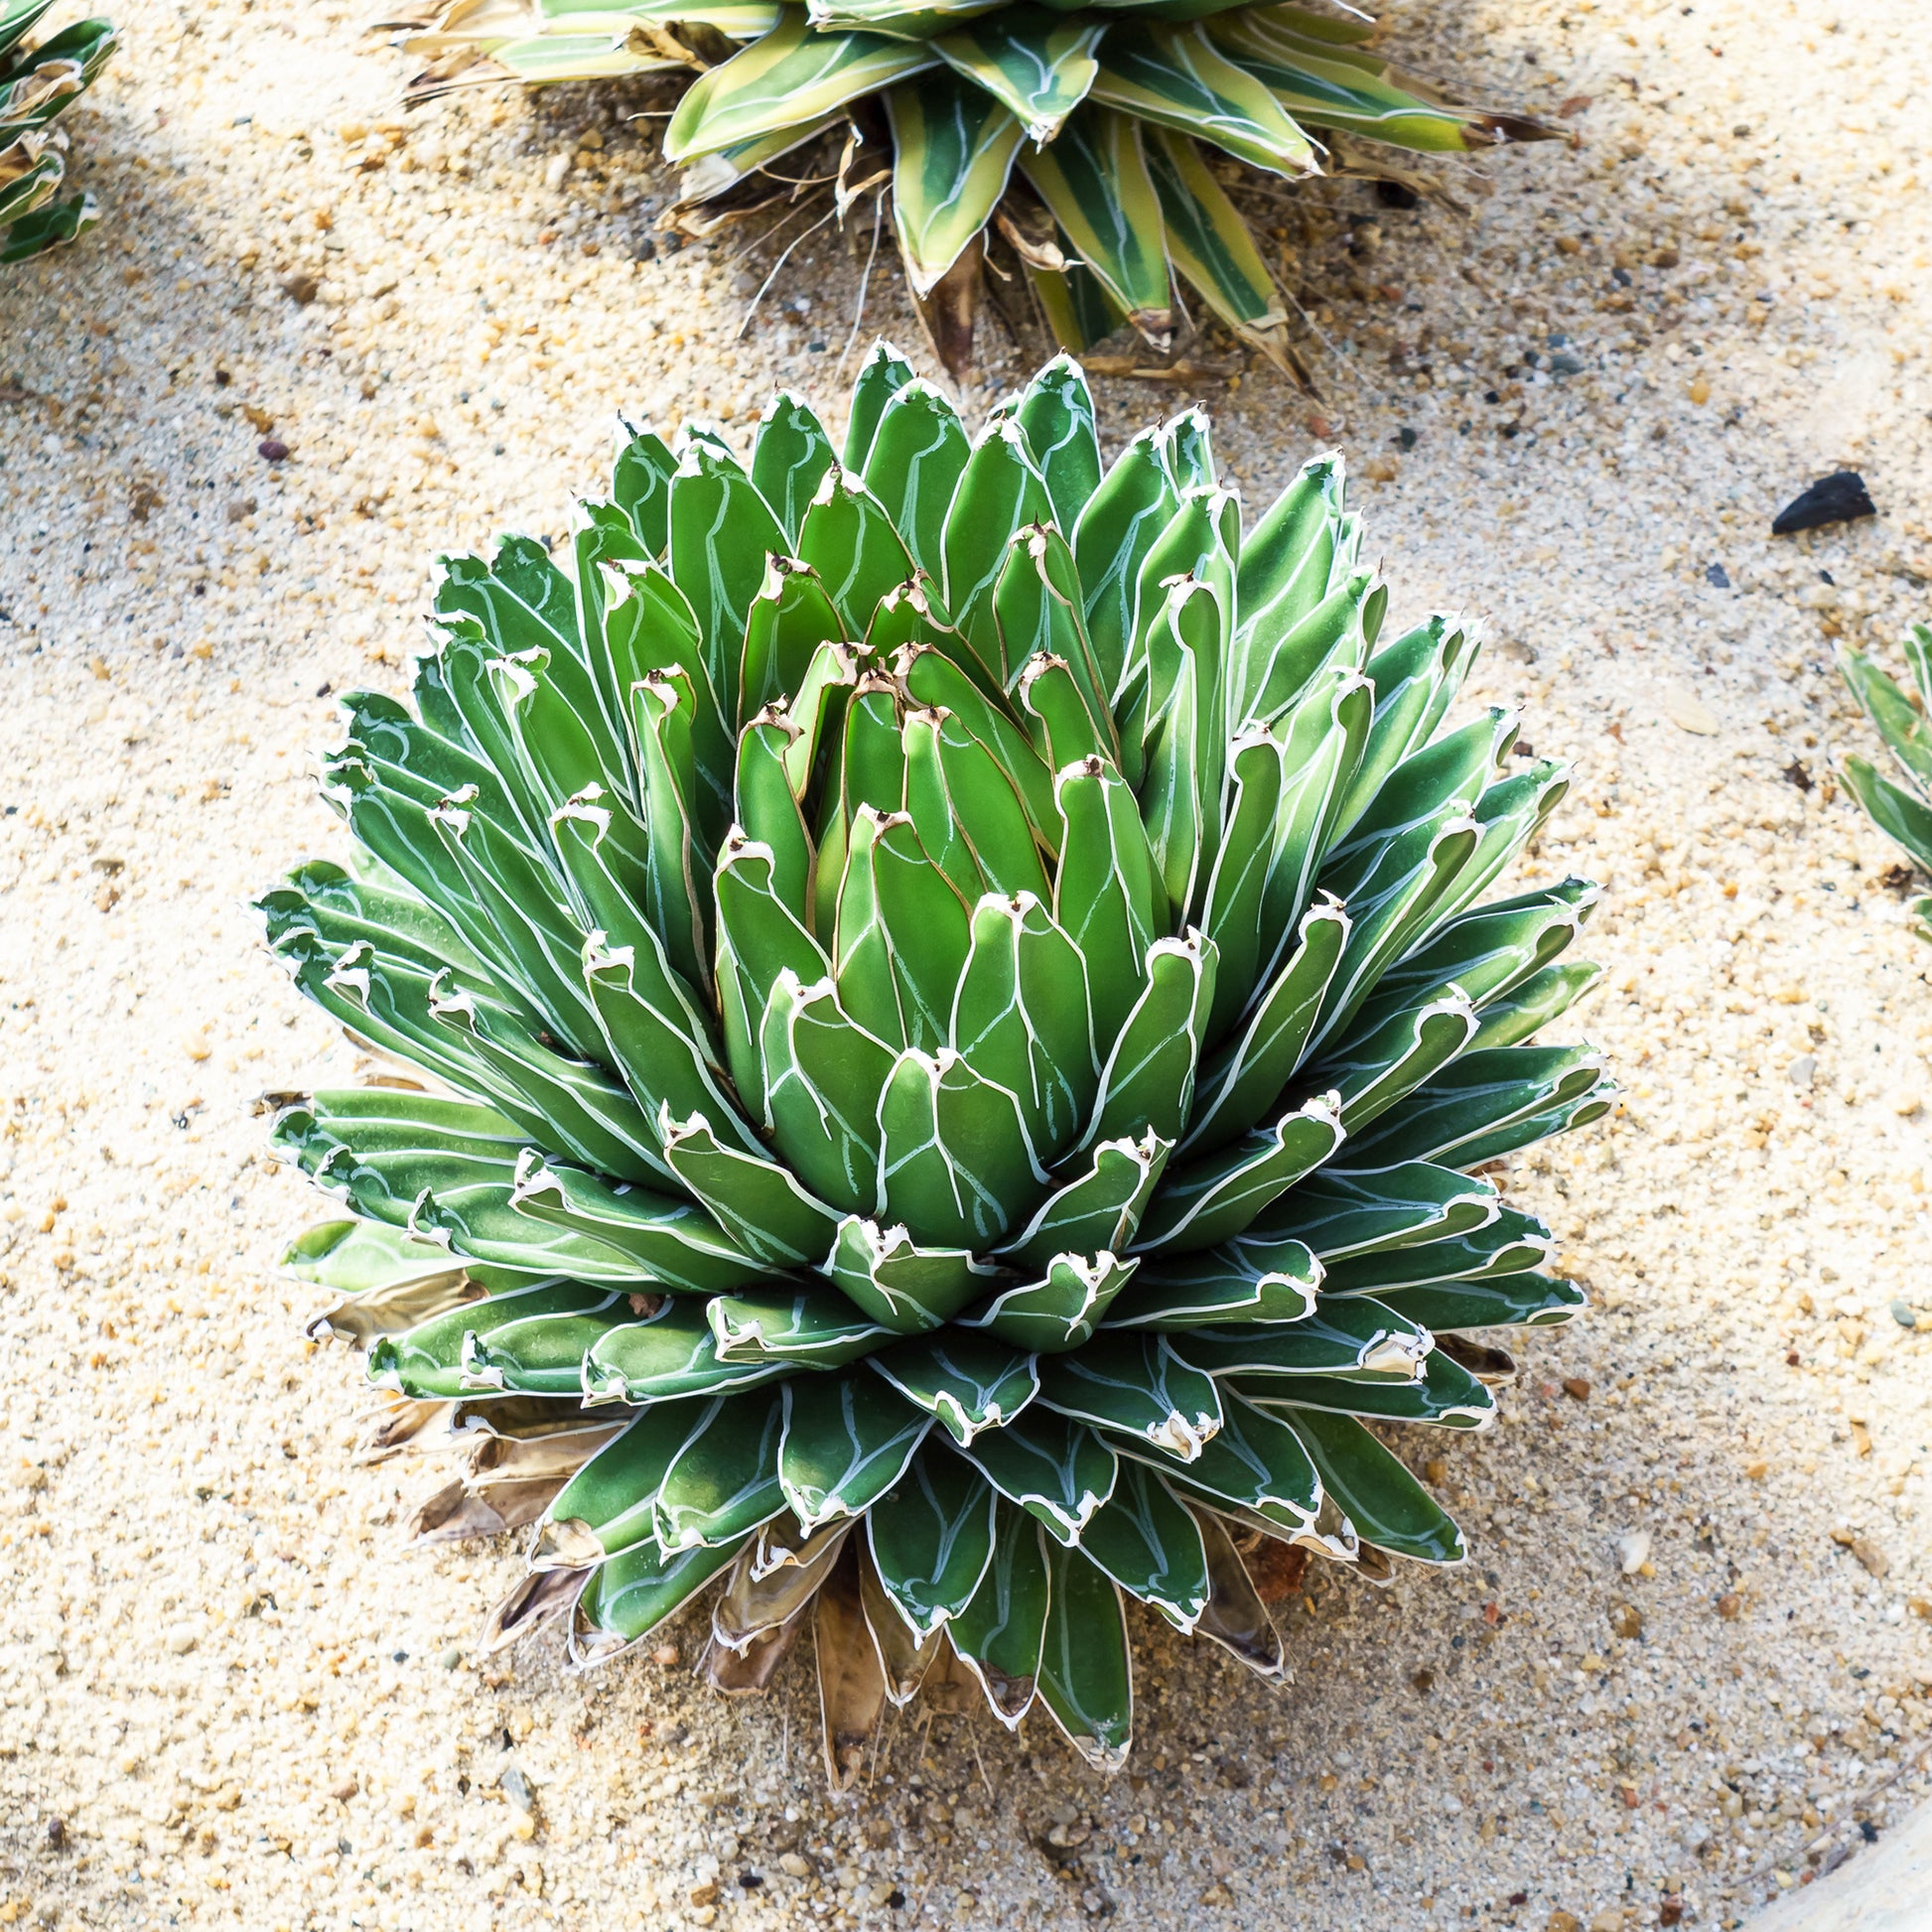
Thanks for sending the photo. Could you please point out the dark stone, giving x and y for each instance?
(1795, 774)
(302, 288)
(1406, 437)
(1841, 497)
(1392, 194)
(1564, 363)
(1717, 575)
(271, 449)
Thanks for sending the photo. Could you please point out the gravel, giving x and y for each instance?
(312, 342)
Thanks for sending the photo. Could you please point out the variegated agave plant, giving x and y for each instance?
(1902, 812)
(1078, 128)
(947, 1015)
(37, 85)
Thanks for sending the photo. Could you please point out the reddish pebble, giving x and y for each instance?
(270, 448)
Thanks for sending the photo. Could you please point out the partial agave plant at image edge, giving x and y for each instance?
(945, 1012)
(1094, 139)
(1902, 812)
(37, 85)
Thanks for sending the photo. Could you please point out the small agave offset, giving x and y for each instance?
(946, 1015)
(1902, 812)
(38, 84)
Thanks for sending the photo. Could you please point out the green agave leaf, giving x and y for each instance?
(1397, 1057)
(881, 375)
(848, 540)
(724, 1480)
(1445, 1395)
(1218, 1197)
(1506, 1244)
(640, 485)
(1148, 1541)
(666, 1354)
(1387, 1505)
(667, 1241)
(1241, 1084)
(1285, 561)
(789, 459)
(1055, 414)
(997, 1634)
(938, 682)
(1499, 1301)
(1037, 67)
(953, 145)
(930, 1536)
(909, 1289)
(1250, 1279)
(1256, 1461)
(999, 494)
(1049, 1465)
(1108, 898)
(1036, 608)
(630, 1597)
(363, 1256)
(1093, 176)
(792, 74)
(809, 1327)
(1476, 1101)
(1078, 310)
(1148, 1083)
(1541, 998)
(1123, 519)
(1086, 1670)
(954, 1163)
(439, 1359)
(767, 811)
(606, 1507)
(825, 1079)
(1135, 1385)
(1365, 1212)
(1097, 1209)
(969, 1382)
(989, 813)
(918, 455)
(786, 628)
(1173, 76)
(1346, 1336)
(720, 532)
(844, 1445)
(1020, 1018)
(1058, 1312)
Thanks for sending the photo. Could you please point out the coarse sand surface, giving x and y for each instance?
(1689, 1665)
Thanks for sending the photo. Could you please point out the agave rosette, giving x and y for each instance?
(948, 1011)
(38, 84)
(1080, 128)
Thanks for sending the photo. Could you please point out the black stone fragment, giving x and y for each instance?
(1841, 497)
(1717, 575)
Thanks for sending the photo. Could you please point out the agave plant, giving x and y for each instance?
(37, 85)
(947, 1014)
(1903, 814)
(1077, 129)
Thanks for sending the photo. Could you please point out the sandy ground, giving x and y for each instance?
(228, 1699)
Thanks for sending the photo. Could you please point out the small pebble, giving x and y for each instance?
(272, 448)
(451, 1657)
(1802, 1072)
(1632, 1551)
(1904, 1314)
(1576, 1388)
(1731, 1606)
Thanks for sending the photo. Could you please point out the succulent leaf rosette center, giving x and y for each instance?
(948, 1011)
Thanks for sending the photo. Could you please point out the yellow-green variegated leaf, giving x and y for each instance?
(1176, 76)
(712, 174)
(953, 152)
(738, 20)
(1039, 68)
(1212, 247)
(1078, 310)
(550, 58)
(1094, 179)
(894, 17)
(1331, 86)
(791, 77)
